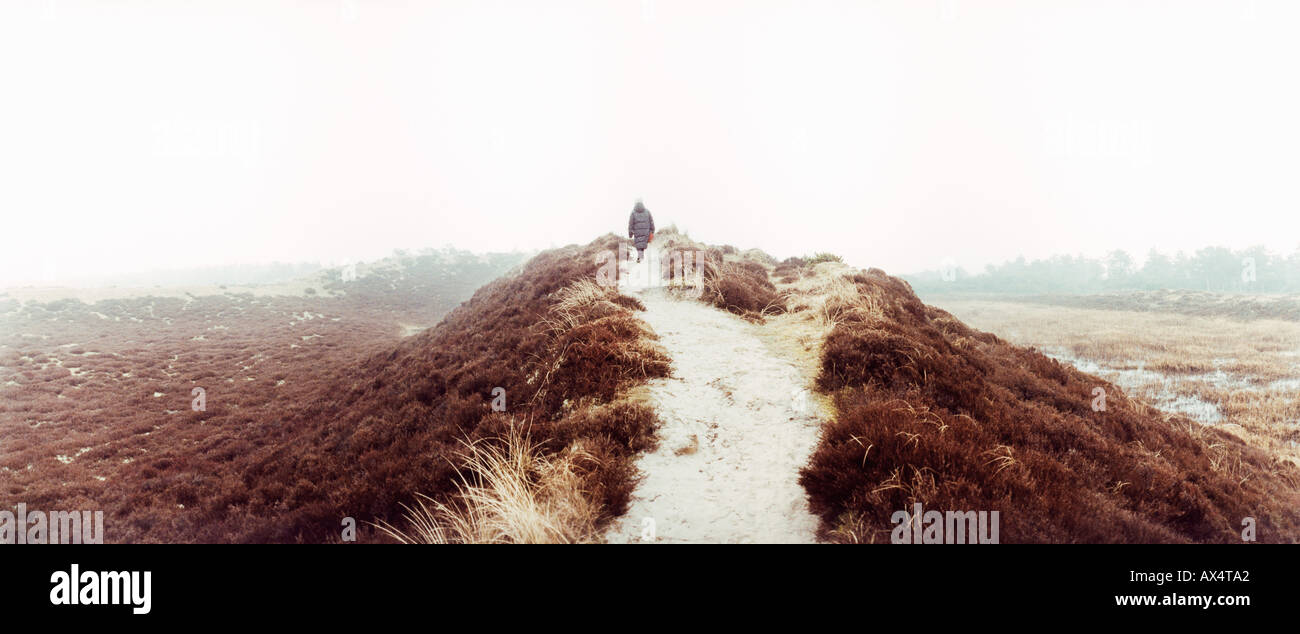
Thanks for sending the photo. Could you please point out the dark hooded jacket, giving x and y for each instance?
(640, 225)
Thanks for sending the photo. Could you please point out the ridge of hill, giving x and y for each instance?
(933, 412)
(536, 381)
(557, 347)
(99, 400)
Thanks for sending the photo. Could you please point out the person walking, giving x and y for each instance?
(640, 228)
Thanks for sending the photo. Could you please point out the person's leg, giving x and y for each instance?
(639, 252)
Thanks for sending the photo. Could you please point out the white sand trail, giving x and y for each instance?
(737, 427)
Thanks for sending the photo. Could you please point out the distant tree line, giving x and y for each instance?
(1252, 270)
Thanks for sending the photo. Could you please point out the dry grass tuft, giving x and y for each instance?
(510, 492)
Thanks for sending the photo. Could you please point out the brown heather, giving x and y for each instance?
(303, 430)
(733, 281)
(396, 426)
(928, 410)
(95, 399)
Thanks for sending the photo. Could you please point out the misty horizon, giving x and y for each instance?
(898, 135)
(274, 271)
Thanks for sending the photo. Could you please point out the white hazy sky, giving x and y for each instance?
(144, 135)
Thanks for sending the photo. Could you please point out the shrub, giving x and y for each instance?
(818, 258)
(790, 270)
(743, 288)
(737, 284)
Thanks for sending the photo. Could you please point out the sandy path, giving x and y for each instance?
(735, 433)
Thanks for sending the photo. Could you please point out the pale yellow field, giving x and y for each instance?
(1242, 376)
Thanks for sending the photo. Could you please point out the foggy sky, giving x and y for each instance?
(146, 135)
